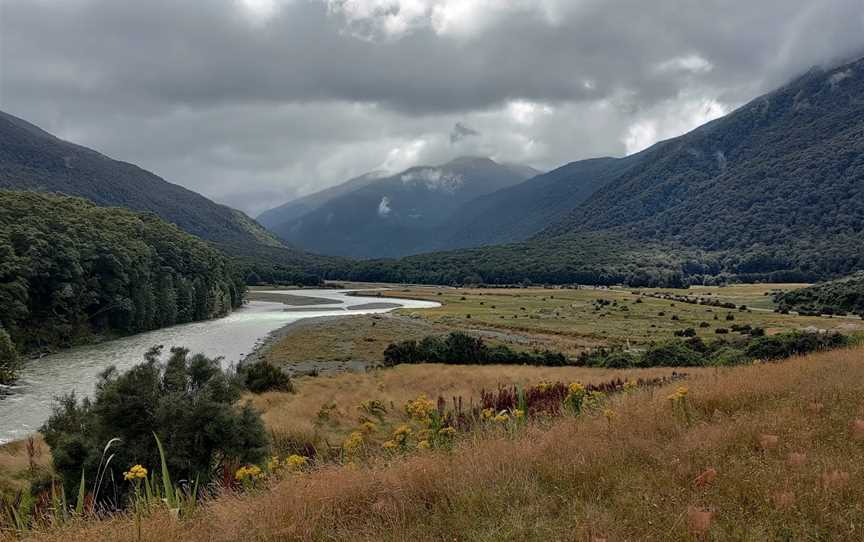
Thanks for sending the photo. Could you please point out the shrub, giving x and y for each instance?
(461, 348)
(262, 376)
(670, 354)
(9, 360)
(187, 401)
(791, 344)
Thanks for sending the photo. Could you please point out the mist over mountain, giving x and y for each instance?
(393, 215)
(772, 191)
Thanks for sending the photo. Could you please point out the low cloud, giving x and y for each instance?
(384, 209)
(252, 102)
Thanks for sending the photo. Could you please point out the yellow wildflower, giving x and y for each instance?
(518, 414)
(631, 385)
(487, 413)
(448, 431)
(248, 472)
(296, 462)
(502, 417)
(609, 413)
(368, 427)
(390, 445)
(423, 445)
(420, 408)
(576, 387)
(353, 442)
(137, 472)
(682, 391)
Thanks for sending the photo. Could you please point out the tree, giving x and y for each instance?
(188, 401)
(9, 360)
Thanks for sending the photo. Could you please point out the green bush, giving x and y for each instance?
(262, 376)
(670, 354)
(791, 344)
(188, 401)
(9, 360)
(463, 349)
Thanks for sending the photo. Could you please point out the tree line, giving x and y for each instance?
(71, 271)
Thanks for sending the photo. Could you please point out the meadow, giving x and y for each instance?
(756, 452)
(570, 321)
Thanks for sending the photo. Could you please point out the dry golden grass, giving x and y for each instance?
(639, 477)
(298, 412)
(15, 462)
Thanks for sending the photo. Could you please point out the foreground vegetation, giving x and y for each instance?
(766, 451)
(70, 271)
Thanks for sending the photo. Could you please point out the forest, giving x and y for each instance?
(71, 272)
(838, 297)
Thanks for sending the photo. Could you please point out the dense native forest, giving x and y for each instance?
(70, 271)
(840, 297)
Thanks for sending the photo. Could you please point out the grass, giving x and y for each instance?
(298, 413)
(571, 320)
(770, 452)
(565, 320)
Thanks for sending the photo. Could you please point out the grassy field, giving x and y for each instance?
(764, 452)
(566, 320)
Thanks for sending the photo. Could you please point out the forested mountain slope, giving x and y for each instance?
(70, 270)
(785, 170)
(32, 159)
(519, 212)
(773, 191)
(395, 215)
(296, 208)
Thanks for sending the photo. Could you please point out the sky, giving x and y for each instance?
(255, 102)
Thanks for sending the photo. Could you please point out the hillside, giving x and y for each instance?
(395, 215)
(296, 208)
(842, 296)
(519, 212)
(786, 168)
(32, 159)
(70, 270)
(773, 191)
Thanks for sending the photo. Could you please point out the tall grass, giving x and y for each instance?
(769, 452)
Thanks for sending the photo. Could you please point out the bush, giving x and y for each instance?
(262, 376)
(460, 348)
(187, 401)
(791, 344)
(9, 360)
(670, 354)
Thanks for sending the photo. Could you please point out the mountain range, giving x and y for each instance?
(31, 159)
(772, 191)
(390, 215)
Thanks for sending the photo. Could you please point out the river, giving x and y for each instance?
(27, 404)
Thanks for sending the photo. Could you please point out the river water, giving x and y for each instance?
(27, 404)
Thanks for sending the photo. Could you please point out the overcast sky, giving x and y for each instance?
(252, 102)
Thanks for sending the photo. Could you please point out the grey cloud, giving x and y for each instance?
(460, 132)
(250, 111)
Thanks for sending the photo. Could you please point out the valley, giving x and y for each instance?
(619, 299)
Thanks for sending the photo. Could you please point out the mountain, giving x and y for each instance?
(395, 215)
(33, 159)
(521, 211)
(294, 209)
(773, 191)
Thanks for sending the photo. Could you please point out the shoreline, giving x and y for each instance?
(304, 368)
